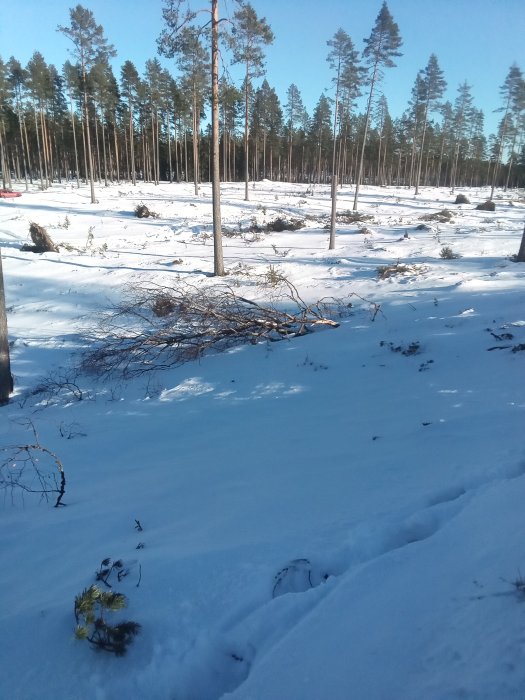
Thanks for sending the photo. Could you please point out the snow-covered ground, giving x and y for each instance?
(334, 516)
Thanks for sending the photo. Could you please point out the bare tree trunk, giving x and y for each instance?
(74, 141)
(6, 378)
(20, 125)
(88, 142)
(132, 146)
(246, 107)
(117, 165)
(97, 144)
(521, 253)
(363, 146)
(331, 244)
(39, 150)
(196, 176)
(421, 149)
(218, 262)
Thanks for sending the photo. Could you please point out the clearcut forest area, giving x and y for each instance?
(262, 396)
(289, 508)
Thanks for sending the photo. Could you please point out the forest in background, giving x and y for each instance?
(81, 122)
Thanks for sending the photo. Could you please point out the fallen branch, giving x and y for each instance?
(22, 469)
(159, 327)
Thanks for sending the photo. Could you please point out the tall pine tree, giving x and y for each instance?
(90, 47)
(250, 34)
(343, 60)
(381, 48)
(433, 87)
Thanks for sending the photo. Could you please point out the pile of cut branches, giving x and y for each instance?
(160, 327)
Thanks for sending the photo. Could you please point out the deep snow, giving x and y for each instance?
(322, 517)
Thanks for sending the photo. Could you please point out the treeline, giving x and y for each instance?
(81, 122)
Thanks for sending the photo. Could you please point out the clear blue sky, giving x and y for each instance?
(474, 40)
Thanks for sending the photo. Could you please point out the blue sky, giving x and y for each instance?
(474, 40)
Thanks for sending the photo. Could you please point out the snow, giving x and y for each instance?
(324, 517)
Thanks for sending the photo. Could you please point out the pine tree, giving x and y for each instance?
(129, 81)
(343, 60)
(510, 91)
(105, 95)
(39, 87)
(72, 85)
(90, 47)
(384, 131)
(6, 93)
(153, 82)
(193, 60)
(92, 607)
(267, 118)
(321, 135)
(181, 39)
(296, 116)
(17, 77)
(517, 124)
(250, 34)
(230, 99)
(462, 115)
(381, 48)
(433, 88)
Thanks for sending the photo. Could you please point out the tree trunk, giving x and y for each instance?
(218, 262)
(88, 143)
(421, 149)
(246, 105)
(367, 122)
(6, 379)
(77, 173)
(331, 244)
(521, 253)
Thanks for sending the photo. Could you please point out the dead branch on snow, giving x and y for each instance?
(159, 327)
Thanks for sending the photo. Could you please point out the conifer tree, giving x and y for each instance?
(509, 91)
(381, 48)
(251, 33)
(5, 113)
(90, 47)
(104, 91)
(517, 124)
(462, 115)
(433, 88)
(72, 84)
(384, 130)
(267, 117)
(17, 77)
(321, 134)
(181, 39)
(295, 113)
(343, 60)
(129, 82)
(230, 99)
(193, 61)
(39, 86)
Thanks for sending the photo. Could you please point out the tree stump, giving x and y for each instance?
(41, 240)
(487, 206)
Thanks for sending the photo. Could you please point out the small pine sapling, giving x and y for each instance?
(91, 607)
